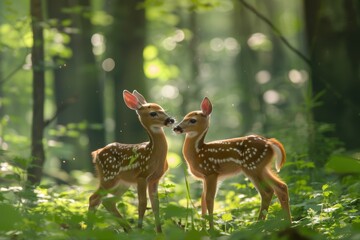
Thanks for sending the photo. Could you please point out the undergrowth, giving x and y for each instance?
(324, 204)
(323, 208)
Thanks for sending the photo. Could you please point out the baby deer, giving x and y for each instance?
(121, 165)
(215, 161)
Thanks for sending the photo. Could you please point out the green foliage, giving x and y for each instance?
(183, 60)
(324, 206)
(343, 164)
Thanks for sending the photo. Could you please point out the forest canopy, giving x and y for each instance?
(280, 69)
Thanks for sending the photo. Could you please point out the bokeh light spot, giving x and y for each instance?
(108, 65)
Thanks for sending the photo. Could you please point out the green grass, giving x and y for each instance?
(324, 205)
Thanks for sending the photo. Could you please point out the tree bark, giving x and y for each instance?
(246, 70)
(37, 56)
(77, 81)
(333, 34)
(125, 44)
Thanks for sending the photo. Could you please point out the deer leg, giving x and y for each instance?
(110, 205)
(211, 186)
(266, 193)
(203, 200)
(95, 200)
(281, 191)
(141, 189)
(203, 204)
(154, 200)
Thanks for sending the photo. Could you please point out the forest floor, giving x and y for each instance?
(323, 205)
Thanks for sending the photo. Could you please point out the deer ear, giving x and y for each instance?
(206, 106)
(139, 97)
(131, 100)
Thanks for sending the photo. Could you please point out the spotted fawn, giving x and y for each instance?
(214, 161)
(121, 165)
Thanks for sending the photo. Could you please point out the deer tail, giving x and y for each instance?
(280, 154)
(94, 155)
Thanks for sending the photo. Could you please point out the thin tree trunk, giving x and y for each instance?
(333, 37)
(246, 69)
(77, 82)
(37, 148)
(126, 42)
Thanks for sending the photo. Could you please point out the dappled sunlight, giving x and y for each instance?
(232, 45)
(217, 44)
(158, 69)
(152, 69)
(108, 65)
(28, 62)
(276, 69)
(229, 44)
(170, 43)
(170, 92)
(263, 76)
(271, 97)
(97, 41)
(150, 52)
(173, 159)
(109, 125)
(298, 76)
(3, 145)
(259, 41)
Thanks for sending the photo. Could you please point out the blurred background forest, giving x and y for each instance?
(283, 69)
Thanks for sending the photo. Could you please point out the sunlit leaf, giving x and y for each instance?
(101, 18)
(226, 217)
(173, 159)
(9, 217)
(150, 52)
(175, 211)
(343, 164)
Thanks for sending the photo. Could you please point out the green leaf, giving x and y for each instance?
(134, 157)
(227, 217)
(150, 52)
(9, 217)
(176, 211)
(327, 193)
(343, 164)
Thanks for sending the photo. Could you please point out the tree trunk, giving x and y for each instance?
(77, 82)
(333, 34)
(37, 56)
(125, 44)
(246, 66)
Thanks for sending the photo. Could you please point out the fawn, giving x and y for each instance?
(120, 165)
(217, 160)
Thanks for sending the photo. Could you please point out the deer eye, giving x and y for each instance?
(192, 120)
(153, 114)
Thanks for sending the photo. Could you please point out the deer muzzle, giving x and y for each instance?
(178, 129)
(169, 121)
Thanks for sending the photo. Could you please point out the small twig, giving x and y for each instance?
(327, 85)
(60, 109)
(58, 178)
(8, 77)
(12, 73)
(277, 31)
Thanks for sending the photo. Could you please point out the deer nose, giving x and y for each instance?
(169, 121)
(178, 129)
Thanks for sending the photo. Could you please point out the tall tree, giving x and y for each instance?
(125, 44)
(77, 84)
(37, 57)
(333, 32)
(246, 60)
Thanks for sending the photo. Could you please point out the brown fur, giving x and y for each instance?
(121, 165)
(217, 160)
